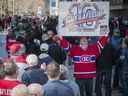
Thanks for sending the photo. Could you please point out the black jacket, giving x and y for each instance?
(106, 58)
(34, 75)
(57, 53)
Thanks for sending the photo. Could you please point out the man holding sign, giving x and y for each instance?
(84, 19)
(84, 57)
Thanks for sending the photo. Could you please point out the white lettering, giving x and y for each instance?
(5, 91)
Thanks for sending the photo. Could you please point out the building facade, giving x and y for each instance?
(29, 7)
(117, 7)
(19, 7)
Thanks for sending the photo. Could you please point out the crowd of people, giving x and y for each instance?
(39, 60)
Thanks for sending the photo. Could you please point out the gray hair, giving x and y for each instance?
(20, 90)
(35, 89)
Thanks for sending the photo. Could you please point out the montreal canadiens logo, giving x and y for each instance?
(88, 58)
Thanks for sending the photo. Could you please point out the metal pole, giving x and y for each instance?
(13, 7)
(58, 2)
(7, 7)
(1, 7)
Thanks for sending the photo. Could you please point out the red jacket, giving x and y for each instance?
(21, 59)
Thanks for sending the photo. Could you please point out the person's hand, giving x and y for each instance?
(122, 57)
(43, 66)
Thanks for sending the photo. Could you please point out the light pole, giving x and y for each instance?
(13, 7)
(1, 5)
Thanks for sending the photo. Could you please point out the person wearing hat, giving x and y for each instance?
(44, 58)
(33, 73)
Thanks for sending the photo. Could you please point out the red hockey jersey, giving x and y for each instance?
(21, 59)
(6, 86)
(85, 60)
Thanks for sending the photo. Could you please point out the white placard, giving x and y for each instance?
(84, 18)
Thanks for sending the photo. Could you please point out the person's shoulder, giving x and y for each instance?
(49, 86)
(9, 83)
(41, 72)
(49, 91)
(73, 83)
(26, 73)
(45, 86)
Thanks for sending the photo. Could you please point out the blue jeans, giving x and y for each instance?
(86, 86)
(117, 75)
(125, 84)
(103, 78)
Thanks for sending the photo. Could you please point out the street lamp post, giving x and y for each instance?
(1, 5)
(13, 7)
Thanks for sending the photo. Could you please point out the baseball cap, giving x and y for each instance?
(32, 60)
(44, 47)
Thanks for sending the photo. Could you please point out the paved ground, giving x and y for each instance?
(116, 93)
